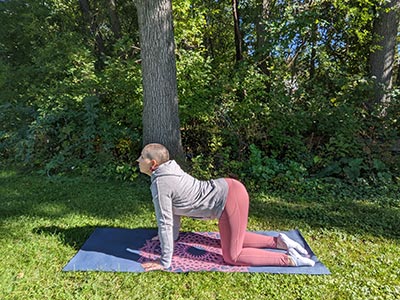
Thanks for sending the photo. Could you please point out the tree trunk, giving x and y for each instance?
(160, 104)
(313, 50)
(383, 57)
(264, 7)
(93, 27)
(114, 20)
(238, 35)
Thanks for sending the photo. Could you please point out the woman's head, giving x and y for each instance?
(157, 152)
(152, 156)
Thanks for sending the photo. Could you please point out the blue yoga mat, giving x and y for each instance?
(123, 250)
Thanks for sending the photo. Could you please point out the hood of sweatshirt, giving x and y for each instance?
(169, 168)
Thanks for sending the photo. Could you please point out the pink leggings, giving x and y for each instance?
(240, 247)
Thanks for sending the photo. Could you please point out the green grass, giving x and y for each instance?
(44, 222)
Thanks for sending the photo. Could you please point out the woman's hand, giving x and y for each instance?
(153, 265)
(155, 238)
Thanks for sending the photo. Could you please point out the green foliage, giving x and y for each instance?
(293, 118)
(77, 140)
(69, 117)
(271, 174)
(295, 108)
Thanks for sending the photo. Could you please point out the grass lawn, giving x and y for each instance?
(44, 222)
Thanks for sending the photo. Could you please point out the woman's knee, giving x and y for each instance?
(228, 259)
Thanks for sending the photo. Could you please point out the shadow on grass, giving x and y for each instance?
(102, 248)
(35, 196)
(74, 237)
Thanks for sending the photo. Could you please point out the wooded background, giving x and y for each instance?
(270, 91)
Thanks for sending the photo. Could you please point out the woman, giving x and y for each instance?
(176, 193)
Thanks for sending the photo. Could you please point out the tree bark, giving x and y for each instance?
(161, 122)
(99, 48)
(264, 7)
(114, 20)
(93, 27)
(382, 58)
(238, 35)
(313, 56)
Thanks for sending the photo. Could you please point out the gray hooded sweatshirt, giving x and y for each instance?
(175, 194)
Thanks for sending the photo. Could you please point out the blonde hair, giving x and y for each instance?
(157, 152)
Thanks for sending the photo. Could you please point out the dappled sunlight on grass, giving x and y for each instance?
(50, 210)
(43, 222)
(43, 198)
(347, 214)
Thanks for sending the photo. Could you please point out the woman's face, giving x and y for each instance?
(145, 164)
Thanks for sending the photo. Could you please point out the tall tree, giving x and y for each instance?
(238, 35)
(382, 57)
(264, 8)
(90, 20)
(114, 20)
(161, 122)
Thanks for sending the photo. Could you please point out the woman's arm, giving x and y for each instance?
(165, 219)
(177, 226)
